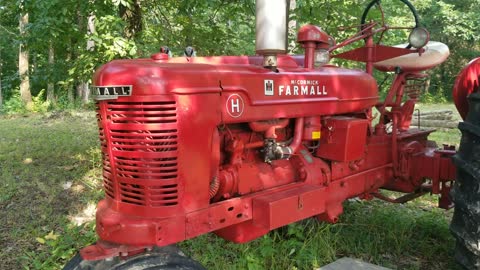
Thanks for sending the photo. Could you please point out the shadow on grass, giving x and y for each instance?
(47, 172)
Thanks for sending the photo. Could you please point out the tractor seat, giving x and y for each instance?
(435, 54)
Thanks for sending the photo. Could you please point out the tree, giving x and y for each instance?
(51, 63)
(456, 24)
(131, 13)
(82, 35)
(83, 89)
(23, 66)
(1, 94)
(292, 26)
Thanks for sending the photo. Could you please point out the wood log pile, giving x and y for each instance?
(435, 119)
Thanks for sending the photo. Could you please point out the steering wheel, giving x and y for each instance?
(406, 2)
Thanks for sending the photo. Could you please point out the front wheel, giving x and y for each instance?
(465, 224)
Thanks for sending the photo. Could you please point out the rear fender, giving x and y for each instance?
(467, 82)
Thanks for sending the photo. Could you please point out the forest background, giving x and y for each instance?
(49, 49)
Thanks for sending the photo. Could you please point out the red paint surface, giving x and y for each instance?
(467, 82)
(194, 129)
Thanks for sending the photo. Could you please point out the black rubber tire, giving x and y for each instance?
(465, 224)
(164, 258)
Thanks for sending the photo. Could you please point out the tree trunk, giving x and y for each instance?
(50, 86)
(436, 123)
(436, 112)
(25, 93)
(90, 47)
(70, 96)
(1, 94)
(83, 92)
(83, 89)
(90, 31)
(133, 18)
(292, 28)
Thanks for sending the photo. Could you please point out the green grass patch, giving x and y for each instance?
(51, 179)
(395, 236)
(49, 171)
(446, 136)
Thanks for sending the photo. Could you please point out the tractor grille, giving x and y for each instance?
(139, 144)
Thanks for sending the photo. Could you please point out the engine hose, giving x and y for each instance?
(285, 152)
(297, 137)
(214, 186)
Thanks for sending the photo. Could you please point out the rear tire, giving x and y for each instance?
(164, 258)
(465, 224)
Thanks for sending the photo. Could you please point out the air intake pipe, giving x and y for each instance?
(271, 30)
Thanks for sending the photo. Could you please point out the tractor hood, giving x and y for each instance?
(246, 88)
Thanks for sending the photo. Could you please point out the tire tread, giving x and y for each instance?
(465, 224)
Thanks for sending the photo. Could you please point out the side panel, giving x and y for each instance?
(250, 94)
(343, 139)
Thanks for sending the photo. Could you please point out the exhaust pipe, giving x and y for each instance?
(271, 30)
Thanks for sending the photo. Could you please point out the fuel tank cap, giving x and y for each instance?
(159, 56)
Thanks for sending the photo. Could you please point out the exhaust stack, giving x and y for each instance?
(271, 30)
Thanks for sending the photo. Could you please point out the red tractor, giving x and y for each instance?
(242, 145)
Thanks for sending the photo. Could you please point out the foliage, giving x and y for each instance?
(216, 27)
(456, 24)
(438, 97)
(58, 248)
(15, 105)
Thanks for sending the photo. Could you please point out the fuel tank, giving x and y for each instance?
(246, 90)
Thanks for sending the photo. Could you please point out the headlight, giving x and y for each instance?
(322, 57)
(419, 37)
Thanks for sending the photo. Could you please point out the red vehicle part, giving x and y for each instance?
(224, 145)
(159, 148)
(466, 83)
(344, 139)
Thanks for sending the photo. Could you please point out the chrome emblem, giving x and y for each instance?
(111, 92)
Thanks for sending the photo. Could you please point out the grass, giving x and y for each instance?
(399, 237)
(49, 172)
(51, 178)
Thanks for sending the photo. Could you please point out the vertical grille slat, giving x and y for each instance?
(108, 183)
(143, 140)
